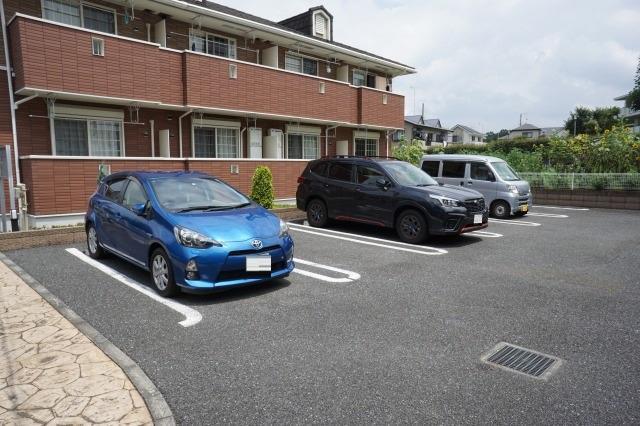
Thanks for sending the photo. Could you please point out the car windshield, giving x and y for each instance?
(407, 174)
(505, 171)
(191, 193)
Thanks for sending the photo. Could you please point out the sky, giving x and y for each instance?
(483, 63)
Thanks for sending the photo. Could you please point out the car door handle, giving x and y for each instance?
(469, 183)
(461, 183)
(358, 190)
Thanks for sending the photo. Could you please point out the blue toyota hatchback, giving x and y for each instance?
(190, 230)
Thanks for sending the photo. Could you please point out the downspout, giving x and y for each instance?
(7, 61)
(180, 130)
(153, 140)
(326, 139)
(389, 132)
(241, 153)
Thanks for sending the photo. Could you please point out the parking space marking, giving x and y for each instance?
(345, 236)
(553, 215)
(562, 208)
(351, 276)
(486, 234)
(191, 316)
(515, 222)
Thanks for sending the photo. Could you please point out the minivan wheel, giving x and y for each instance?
(162, 274)
(411, 227)
(93, 244)
(317, 214)
(500, 210)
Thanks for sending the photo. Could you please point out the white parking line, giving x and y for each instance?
(486, 234)
(562, 208)
(557, 216)
(515, 222)
(351, 276)
(191, 316)
(339, 236)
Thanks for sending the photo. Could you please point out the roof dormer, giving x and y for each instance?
(316, 22)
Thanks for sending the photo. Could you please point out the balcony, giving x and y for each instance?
(51, 57)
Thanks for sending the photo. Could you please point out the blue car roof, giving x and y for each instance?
(145, 174)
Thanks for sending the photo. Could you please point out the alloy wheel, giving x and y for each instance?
(410, 226)
(160, 272)
(92, 240)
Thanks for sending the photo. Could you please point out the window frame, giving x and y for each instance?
(473, 164)
(335, 163)
(371, 167)
(125, 180)
(377, 142)
(81, 5)
(426, 163)
(327, 25)
(232, 43)
(302, 59)
(216, 126)
(302, 134)
(464, 169)
(132, 179)
(87, 119)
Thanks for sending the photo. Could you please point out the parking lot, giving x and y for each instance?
(372, 330)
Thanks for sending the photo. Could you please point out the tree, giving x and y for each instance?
(634, 96)
(490, 136)
(262, 187)
(410, 152)
(503, 132)
(592, 121)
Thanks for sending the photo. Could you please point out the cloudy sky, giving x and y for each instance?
(482, 63)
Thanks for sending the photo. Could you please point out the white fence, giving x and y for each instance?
(597, 181)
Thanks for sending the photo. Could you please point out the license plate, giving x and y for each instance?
(524, 208)
(477, 218)
(258, 263)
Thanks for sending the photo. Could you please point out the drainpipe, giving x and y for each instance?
(180, 130)
(389, 133)
(7, 61)
(153, 140)
(326, 139)
(244, 129)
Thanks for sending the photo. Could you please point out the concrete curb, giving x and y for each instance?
(158, 407)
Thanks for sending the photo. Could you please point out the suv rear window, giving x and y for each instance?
(453, 169)
(341, 171)
(431, 167)
(319, 169)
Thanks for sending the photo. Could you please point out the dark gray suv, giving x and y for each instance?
(387, 192)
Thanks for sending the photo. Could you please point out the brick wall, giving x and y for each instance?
(372, 110)
(59, 186)
(56, 58)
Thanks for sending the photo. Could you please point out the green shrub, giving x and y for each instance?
(262, 187)
(599, 183)
(410, 152)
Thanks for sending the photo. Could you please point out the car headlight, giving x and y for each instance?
(193, 239)
(446, 201)
(512, 188)
(284, 229)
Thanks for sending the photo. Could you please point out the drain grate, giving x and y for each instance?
(522, 360)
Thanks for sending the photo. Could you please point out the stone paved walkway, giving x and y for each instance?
(50, 373)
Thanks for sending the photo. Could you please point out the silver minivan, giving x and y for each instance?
(504, 191)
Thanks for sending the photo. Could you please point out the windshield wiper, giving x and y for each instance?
(218, 208)
(194, 208)
(424, 184)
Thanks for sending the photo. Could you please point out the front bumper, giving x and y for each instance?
(225, 267)
(458, 220)
(518, 201)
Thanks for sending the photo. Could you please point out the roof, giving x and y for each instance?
(526, 126)
(418, 120)
(467, 129)
(462, 157)
(239, 14)
(147, 174)
(621, 97)
(552, 130)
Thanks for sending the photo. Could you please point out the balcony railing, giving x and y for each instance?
(58, 58)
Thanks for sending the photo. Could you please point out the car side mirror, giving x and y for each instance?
(383, 183)
(140, 209)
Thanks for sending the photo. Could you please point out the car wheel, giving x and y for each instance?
(411, 227)
(93, 243)
(317, 214)
(500, 210)
(162, 274)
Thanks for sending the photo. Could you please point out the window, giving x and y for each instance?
(87, 137)
(211, 44)
(321, 25)
(480, 171)
(431, 167)
(319, 169)
(366, 147)
(73, 12)
(97, 46)
(527, 134)
(341, 171)
(473, 138)
(134, 194)
(215, 142)
(368, 176)
(114, 189)
(300, 64)
(302, 146)
(359, 78)
(453, 169)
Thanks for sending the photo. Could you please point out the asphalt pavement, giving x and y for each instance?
(400, 339)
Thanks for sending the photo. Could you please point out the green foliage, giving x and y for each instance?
(634, 95)
(592, 121)
(410, 152)
(262, 187)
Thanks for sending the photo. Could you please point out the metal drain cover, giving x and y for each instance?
(522, 360)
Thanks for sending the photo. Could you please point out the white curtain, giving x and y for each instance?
(63, 11)
(105, 138)
(71, 137)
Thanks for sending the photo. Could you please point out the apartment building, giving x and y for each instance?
(186, 85)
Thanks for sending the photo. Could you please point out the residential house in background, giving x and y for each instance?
(547, 132)
(628, 114)
(181, 85)
(428, 130)
(466, 135)
(525, 130)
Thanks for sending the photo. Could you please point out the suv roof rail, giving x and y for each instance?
(359, 156)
